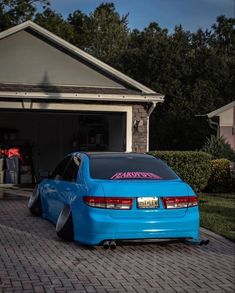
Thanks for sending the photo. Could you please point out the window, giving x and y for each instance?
(119, 167)
(59, 170)
(72, 170)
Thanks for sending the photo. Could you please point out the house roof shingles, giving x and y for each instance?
(65, 89)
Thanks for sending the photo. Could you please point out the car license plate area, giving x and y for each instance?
(147, 202)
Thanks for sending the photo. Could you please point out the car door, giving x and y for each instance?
(53, 191)
(70, 184)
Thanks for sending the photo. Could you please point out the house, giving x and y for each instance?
(226, 115)
(56, 98)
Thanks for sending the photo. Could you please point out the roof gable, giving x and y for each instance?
(30, 59)
(94, 71)
(217, 112)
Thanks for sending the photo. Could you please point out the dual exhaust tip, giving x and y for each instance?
(204, 242)
(109, 244)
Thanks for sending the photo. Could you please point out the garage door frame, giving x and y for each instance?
(31, 105)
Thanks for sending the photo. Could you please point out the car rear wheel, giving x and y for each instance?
(64, 225)
(34, 203)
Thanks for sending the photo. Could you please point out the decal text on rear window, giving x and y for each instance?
(132, 175)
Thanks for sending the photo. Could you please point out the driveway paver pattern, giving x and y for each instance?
(34, 259)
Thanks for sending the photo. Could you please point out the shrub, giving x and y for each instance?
(220, 179)
(193, 167)
(218, 148)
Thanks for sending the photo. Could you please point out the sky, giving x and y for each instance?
(192, 14)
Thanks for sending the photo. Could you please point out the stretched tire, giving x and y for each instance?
(64, 225)
(34, 203)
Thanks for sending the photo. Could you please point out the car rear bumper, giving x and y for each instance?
(93, 226)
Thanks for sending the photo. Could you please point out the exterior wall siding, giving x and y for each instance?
(233, 116)
(227, 133)
(139, 136)
(227, 124)
(30, 59)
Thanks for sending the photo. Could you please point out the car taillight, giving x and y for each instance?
(179, 202)
(192, 201)
(116, 203)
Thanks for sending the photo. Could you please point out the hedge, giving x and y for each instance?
(193, 167)
(220, 179)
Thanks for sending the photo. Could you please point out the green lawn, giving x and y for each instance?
(217, 213)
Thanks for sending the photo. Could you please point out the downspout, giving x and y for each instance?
(149, 112)
(214, 125)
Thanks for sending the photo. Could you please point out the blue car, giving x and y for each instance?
(101, 198)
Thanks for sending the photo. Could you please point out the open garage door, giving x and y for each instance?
(45, 137)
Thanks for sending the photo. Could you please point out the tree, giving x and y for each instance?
(13, 12)
(108, 33)
(55, 23)
(200, 79)
(223, 36)
(82, 36)
(145, 54)
(223, 44)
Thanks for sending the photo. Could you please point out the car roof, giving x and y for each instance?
(107, 155)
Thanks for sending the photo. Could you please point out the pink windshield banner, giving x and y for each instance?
(135, 175)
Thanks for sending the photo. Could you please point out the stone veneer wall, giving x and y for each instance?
(139, 136)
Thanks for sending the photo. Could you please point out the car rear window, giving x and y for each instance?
(129, 168)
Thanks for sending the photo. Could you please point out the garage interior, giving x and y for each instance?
(44, 138)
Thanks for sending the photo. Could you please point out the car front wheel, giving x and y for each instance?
(64, 225)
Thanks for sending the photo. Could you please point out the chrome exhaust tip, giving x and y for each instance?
(106, 245)
(206, 241)
(113, 245)
(202, 242)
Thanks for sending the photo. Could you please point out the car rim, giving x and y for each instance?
(33, 197)
(63, 217)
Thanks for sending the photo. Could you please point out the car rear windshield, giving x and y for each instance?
(130, 167)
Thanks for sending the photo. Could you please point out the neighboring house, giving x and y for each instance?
(226, 116)
(55, 98)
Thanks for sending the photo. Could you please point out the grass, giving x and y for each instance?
(217, 213)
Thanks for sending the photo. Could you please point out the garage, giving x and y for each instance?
(56, 98)
(45, 138)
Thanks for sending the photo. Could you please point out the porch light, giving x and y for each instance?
(136, 124)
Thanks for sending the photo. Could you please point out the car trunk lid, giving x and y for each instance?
(142, 190)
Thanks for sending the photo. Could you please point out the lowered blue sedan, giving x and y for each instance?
(101, 198)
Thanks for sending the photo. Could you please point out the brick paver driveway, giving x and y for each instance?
(33, 259)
